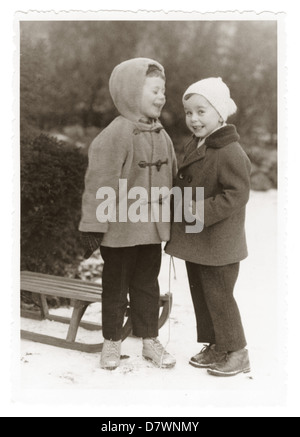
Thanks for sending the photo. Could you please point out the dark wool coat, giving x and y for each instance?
(222, 167)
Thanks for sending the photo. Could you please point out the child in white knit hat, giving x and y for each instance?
(214, 160)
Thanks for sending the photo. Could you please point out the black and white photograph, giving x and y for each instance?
(150, 175)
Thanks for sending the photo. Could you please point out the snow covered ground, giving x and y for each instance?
(54, 376)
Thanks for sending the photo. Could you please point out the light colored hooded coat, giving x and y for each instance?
(125, 150)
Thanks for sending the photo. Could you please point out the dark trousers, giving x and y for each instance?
(130, 272)
(217, 314)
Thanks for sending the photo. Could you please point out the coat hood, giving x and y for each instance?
(126, 84)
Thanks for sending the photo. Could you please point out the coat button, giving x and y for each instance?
(181, 176)
(190, 178)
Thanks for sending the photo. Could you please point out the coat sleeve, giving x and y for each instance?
(174, 162)
(107, 155)
(234, 181)
(173, 157)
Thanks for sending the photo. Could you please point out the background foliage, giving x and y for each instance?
(65, 68)
(64, 72)
(52, 180)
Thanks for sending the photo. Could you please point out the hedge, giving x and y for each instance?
(52, 182)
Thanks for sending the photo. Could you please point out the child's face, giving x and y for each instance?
(201, 117)
(153, 97)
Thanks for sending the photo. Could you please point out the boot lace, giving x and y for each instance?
(113, 348)
(157, 345)
(206, 349)
(160, 350)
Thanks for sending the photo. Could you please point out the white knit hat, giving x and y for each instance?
(216, 92)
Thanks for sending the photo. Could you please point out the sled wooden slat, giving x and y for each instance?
(82, 294)
(57, 279)
(56, 290)
(60, 342)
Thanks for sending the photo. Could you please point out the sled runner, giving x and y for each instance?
(82, 294)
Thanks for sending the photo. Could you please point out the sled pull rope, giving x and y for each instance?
(171, 264)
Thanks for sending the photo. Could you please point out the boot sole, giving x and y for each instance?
(160, 366)
(201, 366)
(215, 372)
(109, 367)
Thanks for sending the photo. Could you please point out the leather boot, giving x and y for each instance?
(155, 352)
(232, 364)
(207, 357)
(110, 355)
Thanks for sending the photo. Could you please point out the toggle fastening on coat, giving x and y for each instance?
(128, 148)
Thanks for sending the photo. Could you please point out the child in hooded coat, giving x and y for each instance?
(133, 151)
(214, 160)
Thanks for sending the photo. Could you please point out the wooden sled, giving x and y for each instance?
(82, 294)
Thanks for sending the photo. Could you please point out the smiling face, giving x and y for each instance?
(201, 117)
(153, 97)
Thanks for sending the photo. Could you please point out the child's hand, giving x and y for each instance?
(91, 241)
